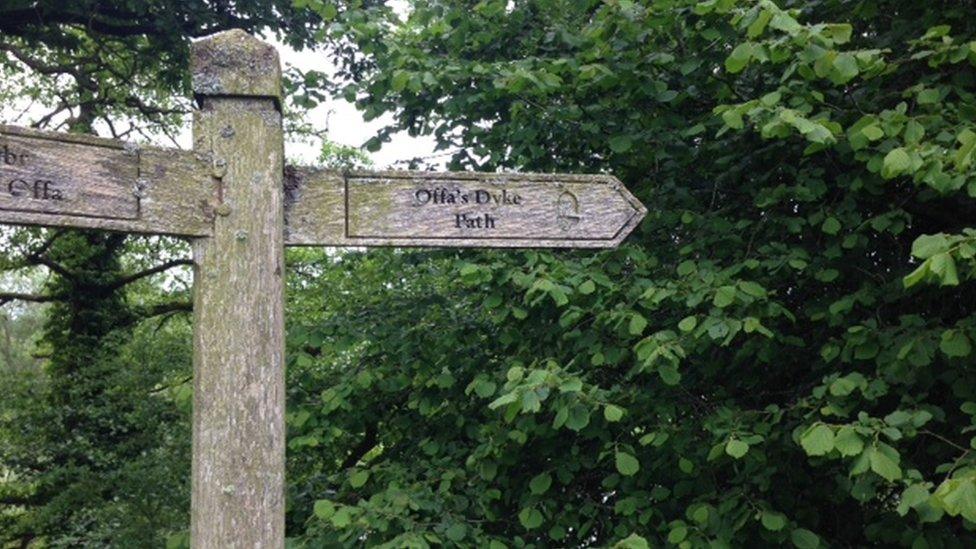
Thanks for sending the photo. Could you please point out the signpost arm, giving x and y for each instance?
(239, 399)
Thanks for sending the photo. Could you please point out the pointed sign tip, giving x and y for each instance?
(459, 209)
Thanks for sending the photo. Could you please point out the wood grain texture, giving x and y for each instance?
(238, 468)
(61, 180)
(457, 209)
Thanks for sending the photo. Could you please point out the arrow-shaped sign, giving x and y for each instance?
(458, 209)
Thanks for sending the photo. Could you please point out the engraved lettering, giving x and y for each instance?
(463, 221)
(503, 198)
(50, 177)
(568, 211)
(11, 158)
(48, 191)
(41, 189)
(18, 187)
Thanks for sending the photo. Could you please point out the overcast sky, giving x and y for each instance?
(345, 124)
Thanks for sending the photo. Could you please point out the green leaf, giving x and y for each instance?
(400, 80)
(736, 448)
(958, 497)
(540, 483)
(967, 143)
(324, 509)
(621, 143)
(784, 22)
(912, 497)
(928, 97)
(627, 464)
(896, 162)
(831, 226)
(955, 344)
(632, 541)
(916, 276)
(873, 132)
(752, 288)
(531, 518)
(773, 521)
(944, 266)
(759, 25)
(724, 296)
(842, 387)
(637, 324)
(818, 440)
(739, 57)
(848, 442)
(484, 388)
(914, 132)
(456, 532)
(677, 534)
(733, 119)
(342, 517)
(701, 514)
(579, 417)
(359, 478)
(688, 324)
(884, 466)
(587, 287)
(844, 69)
(328, 11)
(928, 245)
(613, 413)
(804, 539)
(839, 33)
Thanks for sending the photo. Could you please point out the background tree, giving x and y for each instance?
(95, 446)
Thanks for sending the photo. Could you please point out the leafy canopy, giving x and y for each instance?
(781, 354)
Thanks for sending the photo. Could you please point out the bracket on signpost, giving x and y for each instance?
(233, 197)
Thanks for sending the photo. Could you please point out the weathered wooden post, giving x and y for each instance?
(239, 398)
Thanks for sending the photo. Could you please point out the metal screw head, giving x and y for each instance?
(223, 210)
(219, 168)
(240, 235)
(139, 190)
(227, 132)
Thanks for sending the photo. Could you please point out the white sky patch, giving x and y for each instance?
(343, 121)
(345, 124)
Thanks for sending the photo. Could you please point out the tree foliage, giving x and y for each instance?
(781, 354)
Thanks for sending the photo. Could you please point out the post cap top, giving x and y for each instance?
(237, 64)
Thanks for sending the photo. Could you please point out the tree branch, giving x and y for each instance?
(160, 309)
(50, 265)
(149, 272)
(7, 297)
(14, 22)
(35, 65)
(19, 500)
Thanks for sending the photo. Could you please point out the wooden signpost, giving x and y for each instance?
(234, 197)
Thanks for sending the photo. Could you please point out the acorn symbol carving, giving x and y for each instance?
(568, 211)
